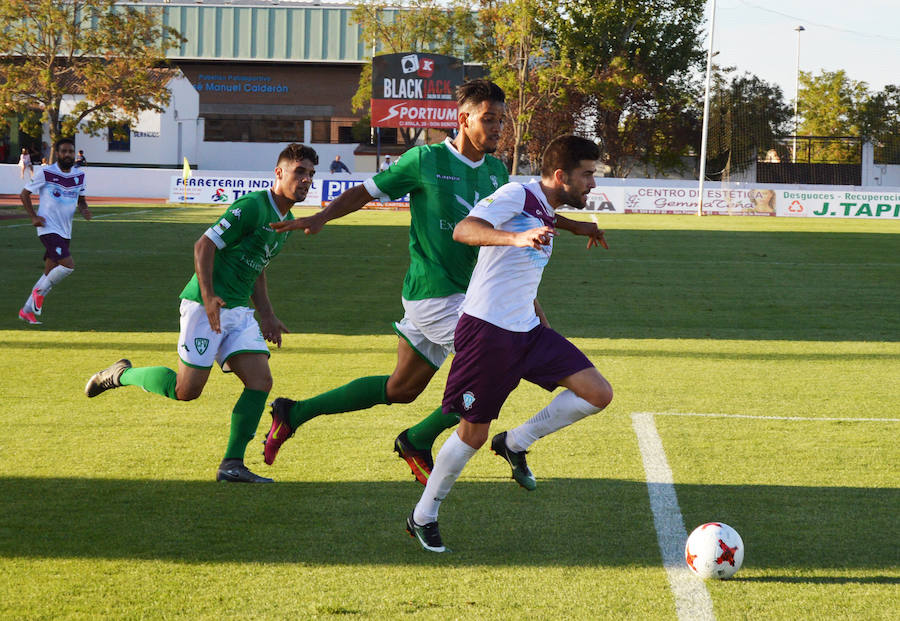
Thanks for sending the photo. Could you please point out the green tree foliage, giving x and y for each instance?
(51, 49)
(879, 121)
(637, 61)
(747, 117)
(832, 105)
(517, 49)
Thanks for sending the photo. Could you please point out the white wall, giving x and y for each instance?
(262, 155)
(155, 137)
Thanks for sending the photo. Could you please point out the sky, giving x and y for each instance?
(859, 36)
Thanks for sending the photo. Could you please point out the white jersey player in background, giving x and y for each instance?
(61, 191)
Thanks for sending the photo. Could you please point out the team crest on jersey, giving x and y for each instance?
(237, 213)
(494, 181)
(201, 345)
(468, 399)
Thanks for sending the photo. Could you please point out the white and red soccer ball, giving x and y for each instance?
(714, 550)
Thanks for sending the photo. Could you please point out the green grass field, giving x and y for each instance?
(108, 507)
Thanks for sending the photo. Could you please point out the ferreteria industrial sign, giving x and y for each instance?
(415, 90)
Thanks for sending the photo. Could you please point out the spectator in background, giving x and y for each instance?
(80, 160)
(386, 163)
(338, 166)
(25, 164)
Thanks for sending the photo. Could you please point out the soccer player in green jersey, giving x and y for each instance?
(217, 322)
(444, 181)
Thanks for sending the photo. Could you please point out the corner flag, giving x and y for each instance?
(185, 173)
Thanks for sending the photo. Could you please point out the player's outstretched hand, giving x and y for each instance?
(212, 306)
(535, 238)
(272, 329)
(593, 232)
(310, 225)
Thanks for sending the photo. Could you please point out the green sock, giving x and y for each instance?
(244, 421)
(423, 434)
(160, 380)
(359, 394)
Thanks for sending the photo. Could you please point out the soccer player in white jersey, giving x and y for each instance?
(217, 321)
(502, 336)
(61, 191)
(443, 181)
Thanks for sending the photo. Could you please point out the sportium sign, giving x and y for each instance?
(415, 90)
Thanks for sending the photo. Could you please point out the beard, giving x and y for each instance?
(66, 162)
(578, 201)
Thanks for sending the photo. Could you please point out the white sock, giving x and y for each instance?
(57, 275)
(451, 460)
(565, 409)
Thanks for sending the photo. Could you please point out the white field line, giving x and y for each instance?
(811, 419)
(105, 215)
(692, 600)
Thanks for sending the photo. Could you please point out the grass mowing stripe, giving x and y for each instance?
(692, 600)
(803, 418)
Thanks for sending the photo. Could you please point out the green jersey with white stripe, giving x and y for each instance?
(246, 243)
(443, 186)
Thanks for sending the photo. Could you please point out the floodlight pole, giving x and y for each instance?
(705, 134)
(799, 29)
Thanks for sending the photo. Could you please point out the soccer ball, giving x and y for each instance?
(714, 550)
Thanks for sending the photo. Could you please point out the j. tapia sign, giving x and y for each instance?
(415, 90)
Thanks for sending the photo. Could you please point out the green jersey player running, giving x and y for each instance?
(217, 322)
(444, 181)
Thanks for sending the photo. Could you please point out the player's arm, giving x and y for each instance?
(83, 208)
(25, 197)
(352, 199)
(270, 326)
(204, 258)
(478, 232)
(587, 229)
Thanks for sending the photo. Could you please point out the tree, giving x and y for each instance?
(747, 117)
(879, 121)
(637, 62)
(516, 47)
(410, 26)
(829, 106)
(50, 49)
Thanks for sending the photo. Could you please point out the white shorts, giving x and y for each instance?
(428, 326)
(199, 346)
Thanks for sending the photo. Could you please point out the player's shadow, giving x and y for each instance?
(566, 522)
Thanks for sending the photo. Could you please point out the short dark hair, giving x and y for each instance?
(295, 152)
(474, 92)
(62, 141)
(566, 153)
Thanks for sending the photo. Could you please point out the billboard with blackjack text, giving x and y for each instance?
(415, 89)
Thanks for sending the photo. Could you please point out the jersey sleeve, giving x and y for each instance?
(37, 182)
(231, 227)
(501, 206)
(398, 180)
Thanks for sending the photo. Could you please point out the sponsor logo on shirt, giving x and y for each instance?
(446, 177)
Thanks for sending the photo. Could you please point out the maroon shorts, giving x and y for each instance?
(490, 361)
(57, 246)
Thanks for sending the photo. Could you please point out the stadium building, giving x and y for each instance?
(251, 76)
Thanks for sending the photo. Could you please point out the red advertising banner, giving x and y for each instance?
(415, 90)
(414, 113)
